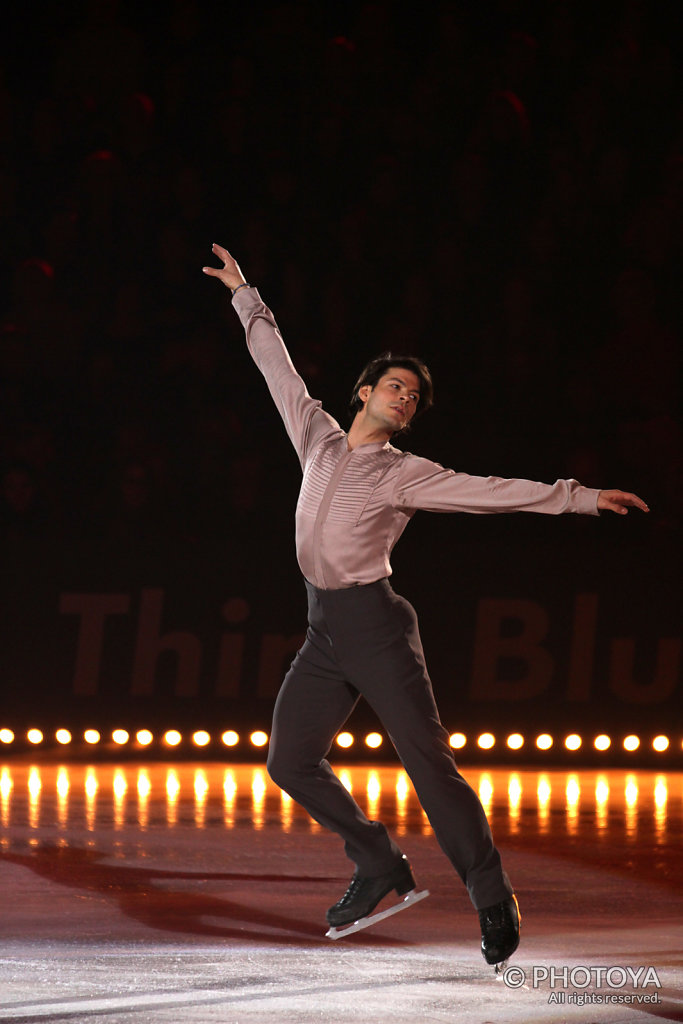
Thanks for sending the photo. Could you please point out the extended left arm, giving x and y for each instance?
(422, 484)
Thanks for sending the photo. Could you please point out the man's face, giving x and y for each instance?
(392, 402)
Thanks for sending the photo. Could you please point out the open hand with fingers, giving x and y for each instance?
(230, 274)
(620, 501)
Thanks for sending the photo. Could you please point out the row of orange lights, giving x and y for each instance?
(143, 737)
(572, 742)
(374, 740)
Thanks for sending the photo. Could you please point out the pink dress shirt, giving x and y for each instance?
(354, 505)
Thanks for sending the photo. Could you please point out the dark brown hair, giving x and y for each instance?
(376, 369)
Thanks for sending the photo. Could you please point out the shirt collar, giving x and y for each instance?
(370, 446)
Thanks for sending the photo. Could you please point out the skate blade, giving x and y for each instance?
(500, 969)
(366, 922)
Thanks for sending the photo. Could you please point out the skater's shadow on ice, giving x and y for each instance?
(139, 895)
(665, 1011)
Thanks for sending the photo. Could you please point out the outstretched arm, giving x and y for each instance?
(305, 421)
(620, 501)
(422, 484)
(230, 274)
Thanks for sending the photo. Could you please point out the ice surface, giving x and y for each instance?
(196, 892)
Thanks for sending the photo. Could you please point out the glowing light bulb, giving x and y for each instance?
(259, 738)
(201, 738)
(63, 736)
(144, 737)
(515, 741)
(91, 736)
(573, 742)
(230, 738)
(172, 737)
(373, 740)
(6, 736)
(660, 743)
(544, 741)
(120, 736)
(345, 739)
(486, 740)
(34, 736)
(457, 740)
(631, 743)
(602, 742)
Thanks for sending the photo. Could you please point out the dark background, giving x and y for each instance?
(497, 187)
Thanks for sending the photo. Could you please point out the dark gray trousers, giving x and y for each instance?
(365, 641)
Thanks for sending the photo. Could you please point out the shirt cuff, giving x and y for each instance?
(586, 501)
(245, 302)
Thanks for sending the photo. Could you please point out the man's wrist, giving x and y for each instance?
(244, 284)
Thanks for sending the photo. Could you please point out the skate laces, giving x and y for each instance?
(354, 888)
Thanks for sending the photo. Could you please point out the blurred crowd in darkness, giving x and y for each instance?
(495, 186)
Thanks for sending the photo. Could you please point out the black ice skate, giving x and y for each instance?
(500, 932)
(350, 914)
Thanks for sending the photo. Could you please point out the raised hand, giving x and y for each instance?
(230, 274)
(620, 501)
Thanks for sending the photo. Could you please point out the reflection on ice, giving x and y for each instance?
(486, 791)
(543, 794)
(373, 789)
(601, 803)
(201, 789)
(6, 786)
(172, 791)
(514, 800)
(660, 796)
(258, 795)
(520, 803)
(631, 800)
(229, 793)
(144, 788)
(62, 797)
(573, 793)
(91, 787)
(119, 788)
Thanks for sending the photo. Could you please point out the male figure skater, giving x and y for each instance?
(357, 496)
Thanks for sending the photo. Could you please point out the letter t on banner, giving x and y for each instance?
(93, 609)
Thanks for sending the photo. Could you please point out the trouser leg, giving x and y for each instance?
(453, 808)
(378, 644)
(313, 703)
